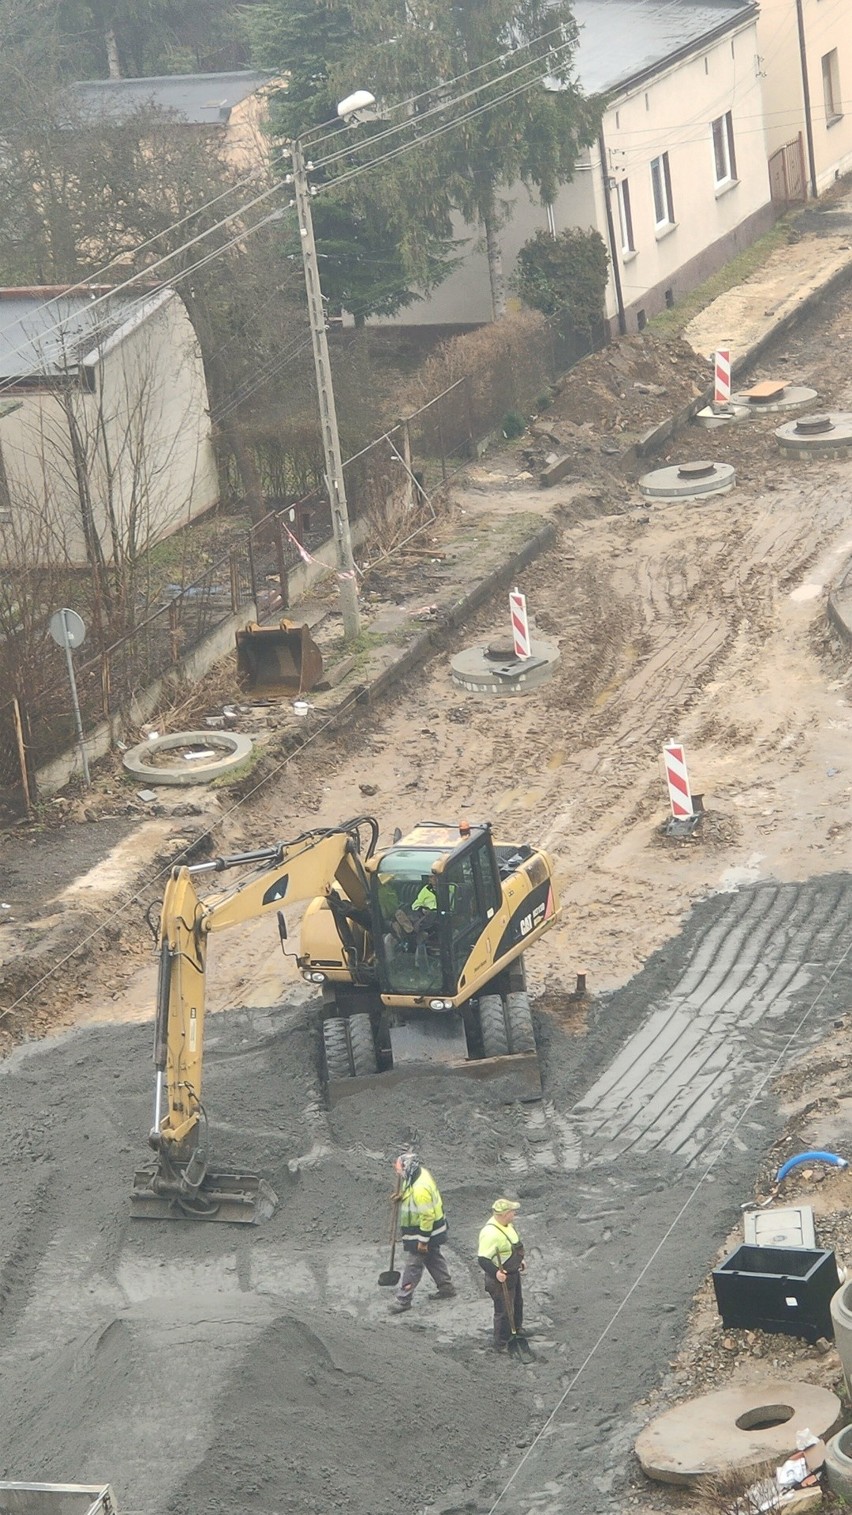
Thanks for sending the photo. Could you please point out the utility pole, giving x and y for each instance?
(346, 580)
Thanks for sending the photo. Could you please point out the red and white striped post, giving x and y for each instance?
(677, 779)
(722, 385)
(520, 624)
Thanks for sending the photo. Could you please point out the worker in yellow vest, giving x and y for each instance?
(423, 1228)
(501, 1258)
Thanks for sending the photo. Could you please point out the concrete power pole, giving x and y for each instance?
(347, 582)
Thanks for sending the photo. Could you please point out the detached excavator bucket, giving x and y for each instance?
(233, 1198)
(282, 659)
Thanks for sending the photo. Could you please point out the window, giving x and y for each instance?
(624, 215)
(723, 149)
(466, 920)
(661, 185)
(831, 87)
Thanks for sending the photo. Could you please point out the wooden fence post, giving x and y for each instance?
(22, 755)
(174, 630)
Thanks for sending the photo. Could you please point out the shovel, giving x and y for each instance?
(391, 1275)
(518, 1344)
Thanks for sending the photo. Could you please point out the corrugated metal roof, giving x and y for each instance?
(620, 39)
(41, 337)
(200, 99)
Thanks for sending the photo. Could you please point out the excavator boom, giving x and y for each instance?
(181, 1184)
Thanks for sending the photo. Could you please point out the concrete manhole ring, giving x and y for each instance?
(743, 1426)
(229, 749)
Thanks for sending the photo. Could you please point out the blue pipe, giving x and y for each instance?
(809, 1157)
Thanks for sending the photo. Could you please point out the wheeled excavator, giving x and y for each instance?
(417, 950)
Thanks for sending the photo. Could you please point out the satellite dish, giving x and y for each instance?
(67, 629)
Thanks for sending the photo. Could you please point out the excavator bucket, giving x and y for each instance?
(275, 660)
(232, 1198)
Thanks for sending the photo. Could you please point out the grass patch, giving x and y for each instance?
(670, 323)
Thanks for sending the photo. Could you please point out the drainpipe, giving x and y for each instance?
(806, 95)
(614, 249)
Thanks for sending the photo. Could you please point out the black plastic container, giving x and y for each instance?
(781, 1289)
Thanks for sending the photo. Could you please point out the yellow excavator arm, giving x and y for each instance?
(307, 867)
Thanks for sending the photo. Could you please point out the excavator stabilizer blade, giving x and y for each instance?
(232, 1198)
(505, 1080)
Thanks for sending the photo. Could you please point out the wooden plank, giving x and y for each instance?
(766, 391)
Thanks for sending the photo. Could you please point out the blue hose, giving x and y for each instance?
(809, 1157)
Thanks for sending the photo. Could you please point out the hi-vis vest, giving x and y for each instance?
(421, 1210)
(496, 1242)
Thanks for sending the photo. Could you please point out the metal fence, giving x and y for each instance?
(391, 486)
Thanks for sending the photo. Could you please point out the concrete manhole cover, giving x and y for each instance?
(826, 435)
(739, 1427)
(187, 757)
(688, 481)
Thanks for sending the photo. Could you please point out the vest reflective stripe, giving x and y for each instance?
(496, 1242)
(421, 1209)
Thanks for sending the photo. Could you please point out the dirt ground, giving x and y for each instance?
(200, 1371)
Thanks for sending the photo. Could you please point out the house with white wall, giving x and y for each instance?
(105, 431)
(676, 183)
(806, 59)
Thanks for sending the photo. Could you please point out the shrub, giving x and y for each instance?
(514, 424)
(564, 277)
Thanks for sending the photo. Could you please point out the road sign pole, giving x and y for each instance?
(66, 640)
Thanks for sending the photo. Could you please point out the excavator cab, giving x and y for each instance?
(433, 905)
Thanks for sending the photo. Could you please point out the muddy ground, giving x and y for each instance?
(207, 1370)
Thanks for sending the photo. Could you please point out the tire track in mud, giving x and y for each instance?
(697, 1050)
(16, 1271)
(628, 1152)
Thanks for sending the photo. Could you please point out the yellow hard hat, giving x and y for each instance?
(503, 1206)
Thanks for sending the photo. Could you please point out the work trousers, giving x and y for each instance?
(412, 1272)
(502, 1327)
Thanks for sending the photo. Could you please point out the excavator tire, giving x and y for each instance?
(362, 1045)
(336, 1044)
(492, 1024)
(519, 1022)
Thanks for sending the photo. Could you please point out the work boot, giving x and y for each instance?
(445, 1291)
(399, 1306)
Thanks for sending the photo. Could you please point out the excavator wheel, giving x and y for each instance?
(336, 1044)
(519, 1022)
(492, 1024)
(362, 1046)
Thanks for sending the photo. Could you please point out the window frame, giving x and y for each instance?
(625, 218)
(724, 151)
(831, 95)
(661, 176)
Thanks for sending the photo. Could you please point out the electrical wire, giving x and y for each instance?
(264, 195)
(691, 1197)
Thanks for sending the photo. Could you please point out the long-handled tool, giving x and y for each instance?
(391, 1275)
(518, 1344)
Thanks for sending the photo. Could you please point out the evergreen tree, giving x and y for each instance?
(525, 121)
(376, 255)
(84, 39)
(531, 121)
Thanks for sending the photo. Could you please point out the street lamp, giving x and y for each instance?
(353, 109)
